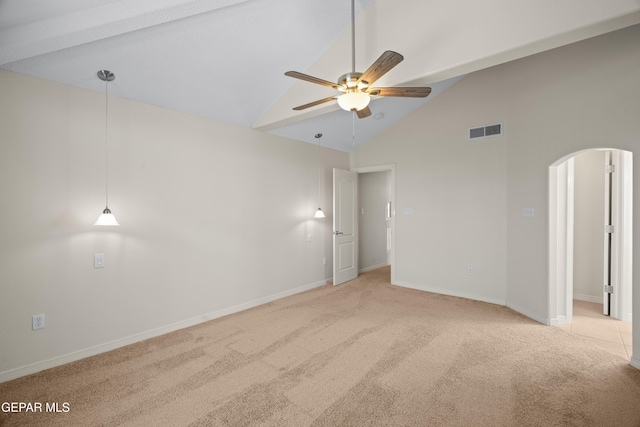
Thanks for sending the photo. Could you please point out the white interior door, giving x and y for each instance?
(618, 232)
(609, 247)
(345, 226)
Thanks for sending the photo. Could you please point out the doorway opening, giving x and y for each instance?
(590, 234)
(376, 211)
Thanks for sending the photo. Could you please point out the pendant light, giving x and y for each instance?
(106, 217)
(319, 213)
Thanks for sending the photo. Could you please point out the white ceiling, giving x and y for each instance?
(225, 59)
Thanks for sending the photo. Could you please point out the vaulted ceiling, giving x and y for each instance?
(225, 59)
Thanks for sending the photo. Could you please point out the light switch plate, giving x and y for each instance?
(98, 261)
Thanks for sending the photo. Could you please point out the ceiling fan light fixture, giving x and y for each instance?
(354, 100)
(357, 87)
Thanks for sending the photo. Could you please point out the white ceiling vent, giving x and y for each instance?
(485, 131)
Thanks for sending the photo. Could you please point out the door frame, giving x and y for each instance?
(391, 168)
(560, 262)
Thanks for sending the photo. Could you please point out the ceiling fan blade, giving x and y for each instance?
(386, 62)
(308, 78)
(410, 92)
(365, 112)
(314, 103)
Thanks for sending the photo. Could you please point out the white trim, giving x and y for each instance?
(588, 298)
(373, 267)
(112, 345)
(560, 220)
(635, 362)
(449, 292)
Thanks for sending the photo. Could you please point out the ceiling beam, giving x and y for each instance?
(93, 24)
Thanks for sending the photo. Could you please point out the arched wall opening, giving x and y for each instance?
(618, 250)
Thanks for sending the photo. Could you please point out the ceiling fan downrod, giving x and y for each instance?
(353, 36)
(357, 87)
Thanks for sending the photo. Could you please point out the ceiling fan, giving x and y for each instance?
(357, 87)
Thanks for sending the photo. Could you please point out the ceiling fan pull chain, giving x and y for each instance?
(353, 129)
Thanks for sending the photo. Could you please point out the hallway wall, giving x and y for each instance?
(589, 206)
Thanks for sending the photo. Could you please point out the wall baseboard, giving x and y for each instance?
(373, 267)
(588, 298)
(558, 321)
(635, 362)
(533, 316)
(132, 339)
(444, 291)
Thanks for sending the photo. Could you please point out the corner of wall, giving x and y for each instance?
(533, 316)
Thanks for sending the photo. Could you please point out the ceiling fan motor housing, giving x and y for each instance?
(350, 81)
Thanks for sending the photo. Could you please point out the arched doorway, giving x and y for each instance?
(616, 239)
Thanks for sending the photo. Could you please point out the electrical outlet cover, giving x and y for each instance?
(37, 321)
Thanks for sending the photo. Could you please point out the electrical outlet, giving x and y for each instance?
(324, 261)
(469, 271)
(37, 321)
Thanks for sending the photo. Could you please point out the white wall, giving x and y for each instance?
(184, 189)
(213, 217)
(468, 198)
(451, 192)
(582, 96)
(589, 204)
(374, 192)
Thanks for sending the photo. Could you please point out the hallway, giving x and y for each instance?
(590, 324)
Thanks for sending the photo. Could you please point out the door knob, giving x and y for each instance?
(338, 233)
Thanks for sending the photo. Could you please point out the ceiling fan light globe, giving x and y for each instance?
(354, 100)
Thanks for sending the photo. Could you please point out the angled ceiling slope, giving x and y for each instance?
(225, 59)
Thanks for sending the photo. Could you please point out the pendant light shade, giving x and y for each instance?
(106, 217)
(319, 214)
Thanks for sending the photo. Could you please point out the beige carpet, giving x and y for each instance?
(363, 353)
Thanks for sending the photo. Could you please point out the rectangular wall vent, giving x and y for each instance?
(485, 131)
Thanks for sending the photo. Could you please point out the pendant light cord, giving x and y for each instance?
(106, 141)
(319, 174)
